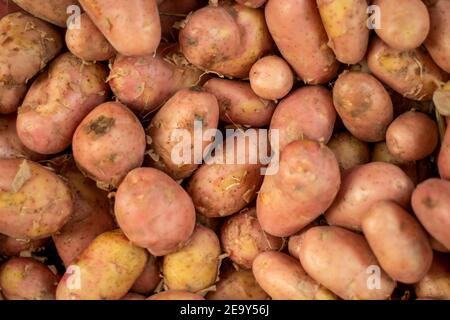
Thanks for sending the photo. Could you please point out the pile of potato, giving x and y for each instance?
(354, 93)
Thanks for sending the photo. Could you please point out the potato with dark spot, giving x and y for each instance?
(53, 11)
(349, 151)
(436, 284)
(176, 295)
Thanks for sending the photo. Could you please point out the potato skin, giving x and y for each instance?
(386, 223)
(340, 259)
(194, 267)
(436, 284)
(106, 270)
(307, 113)
(252, 3)
(114, 125)
(363, 104)
(297, 29)
(364, 185)
(149, 278)
(412, 136)
(24, 55)
(13, 247)
(238, 104)
(349, 151)
(430, 202)
(438, 41)
(34, 202)
(122, 20)
(58, 101)
(283, 278)
(53, 11)
(27, 279)
(243, 239)
(154, 211)
(176, 295)
(444, 156)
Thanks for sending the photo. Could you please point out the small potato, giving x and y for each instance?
(363, 104)
(436, 284)
(243, 239)
(238, 104)
(176, 295)
(283, 278)
(195, 266)
(431, 204)
(13, 247)
(343, 262)
(87, 42)
(349, 151)
(444, 156)
(154, 211)
(438, 41)
(133, 296)
(34, 202)
(106, 270)
(398, 241)
(404, 23)
(307, 113)
(53, 11)
(109, 143)
(149, 278)
(252, 3)
(271, 78)
(58, 101)
(412, 136)
(364, 185)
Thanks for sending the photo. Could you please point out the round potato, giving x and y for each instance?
(438, 41)
(349, 151)
(436, 284)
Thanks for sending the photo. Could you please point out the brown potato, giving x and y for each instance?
(176, 295)
(436, 284)
(349, 151)
(438, 41)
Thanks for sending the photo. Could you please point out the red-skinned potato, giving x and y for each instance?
(252, 3)
(436, 284)
(438, 41)
(297, 29)
(349, 151)
(444, 156)
(58, 101)
(53, 11)
(176, 295)
(149, 278)
(364, 185)
(342, 261)
(132, 27)
(12, 247)
(113, 125)
(154, 211)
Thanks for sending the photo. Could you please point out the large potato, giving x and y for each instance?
(343, 262)
(154, 211)
(436, 284)
(54, 11)
(438, 41)
(444, 156)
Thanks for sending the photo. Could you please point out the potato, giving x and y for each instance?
(171, 12)
(121, 21)
(237, 285)
(345, 22)
(238, 104)
(149, 278)
(195, 266)
(271, 78)
(12, 247)
(430, 202)
(28, 44)
(109, 143)
(106, 270)
(412, 136)
(252, 3)
(176, 295)
(438, 41)
(87, 42)
(398, 241)
(307, 113)
(411, 73)
(343, 262)
(436, 284)
(441, 99)
(283, 278)
(58, 101)
(154, 211)
(404, 23)
(34, 202)
(27, 279)
(53, 11)
(363, 105)
(349, 151)
(364, 185)
(192, 111)
(145, 83)
(243, 239)
(444, 156)
(297, 29)
(227, 39)
(133, 296)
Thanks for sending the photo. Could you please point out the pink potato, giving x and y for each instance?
(154, 211)
(252, 3)
(53, 11)
(438, 41)
(109, 143)
(176, 295)
(436, 284)
(12, 247)
(149, 278)
(58, 101)
(444, 156)
(349, 151)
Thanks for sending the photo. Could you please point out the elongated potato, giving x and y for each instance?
(28, 44)
(438, 41)
(58, 101)
(297, 29)
(349, 151)
(121, 21)
(176, 295)
(149, 278)
(307, 113)
(12, 247)
(194, 267)
(444, 156)
(343, 262)
(436, 284)
(53, 11)
(364, 185)
(34, 202)
(430, 202)
(106, 270)
(27, 279)
(154, 211)
(283, 278)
